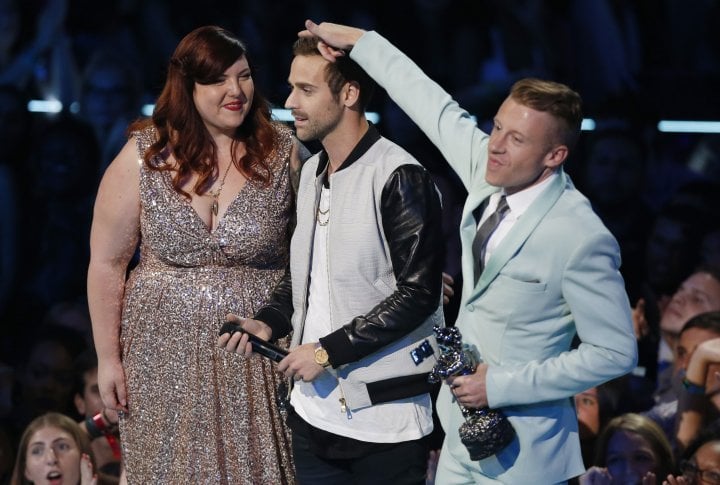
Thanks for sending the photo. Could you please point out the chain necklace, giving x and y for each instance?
(323, 216)
(215, 194)
(323, 210)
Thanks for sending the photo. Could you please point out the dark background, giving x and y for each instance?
(633, 62)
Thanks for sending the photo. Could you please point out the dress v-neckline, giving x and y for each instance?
(184, 201)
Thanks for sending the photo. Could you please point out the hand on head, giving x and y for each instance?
(335, 39)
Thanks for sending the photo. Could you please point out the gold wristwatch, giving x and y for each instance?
(321, 356)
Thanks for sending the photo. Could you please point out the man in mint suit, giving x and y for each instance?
(549, 270)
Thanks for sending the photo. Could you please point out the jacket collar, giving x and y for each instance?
(369, 138)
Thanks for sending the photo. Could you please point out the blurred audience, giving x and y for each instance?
(111, 97)
(698, 329)
(700, 463)
(44, 375)
(55, 214)
(700, 394)
(36, 51)
(598, 405)
(53, 449)
(631, 449)
(99, 423)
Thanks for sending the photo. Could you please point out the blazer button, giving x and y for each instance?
(471, 308)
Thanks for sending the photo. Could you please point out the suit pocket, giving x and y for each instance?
(520, 286)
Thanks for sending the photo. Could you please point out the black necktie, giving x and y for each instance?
(484, 232)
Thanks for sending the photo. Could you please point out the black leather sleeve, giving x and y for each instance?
(411, 220)
(277, 312)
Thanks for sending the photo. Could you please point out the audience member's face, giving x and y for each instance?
(588, 413)
(698, 294)
(224, 105)
(689, 340)
(706, 460)
(53, 458)
(518, 149)
(629, 457)
(90, 403)
(316, 110)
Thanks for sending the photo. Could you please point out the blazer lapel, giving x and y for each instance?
(468, 228)
(522, 229)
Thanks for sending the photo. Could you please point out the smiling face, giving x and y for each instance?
(224, 104)
(316, 110)
(522, 150)
(53, 458)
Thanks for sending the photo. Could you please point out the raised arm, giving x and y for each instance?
(451, 129)
(113, 240)
(695, 399)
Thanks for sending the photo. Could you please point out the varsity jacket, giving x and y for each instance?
(385, 254)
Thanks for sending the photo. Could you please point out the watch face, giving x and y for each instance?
(321, 356)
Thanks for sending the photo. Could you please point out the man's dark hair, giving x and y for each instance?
(342, 71)
(706, 321)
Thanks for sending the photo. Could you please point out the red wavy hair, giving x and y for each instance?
(202, 57)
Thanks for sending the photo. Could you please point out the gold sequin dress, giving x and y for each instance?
(199, 414)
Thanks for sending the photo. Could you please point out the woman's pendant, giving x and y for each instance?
(214, 207)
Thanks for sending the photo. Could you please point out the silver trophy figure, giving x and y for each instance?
(485, 431)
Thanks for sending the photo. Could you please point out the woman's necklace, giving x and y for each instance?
(215, 194)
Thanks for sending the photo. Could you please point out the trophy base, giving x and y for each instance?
(485, 433)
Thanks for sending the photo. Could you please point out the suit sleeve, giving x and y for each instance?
(450, 128)
(598, 305)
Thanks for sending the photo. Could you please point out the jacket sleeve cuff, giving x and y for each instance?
(278, 323)
(340, 350)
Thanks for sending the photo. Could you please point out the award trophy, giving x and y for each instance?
(485, 431)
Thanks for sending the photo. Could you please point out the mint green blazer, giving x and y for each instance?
(555, 275)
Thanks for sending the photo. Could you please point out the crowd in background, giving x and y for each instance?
(634, 63)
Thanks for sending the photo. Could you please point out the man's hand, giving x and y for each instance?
(335, 38)
(300, 363)
(470, 390)
(239, 341)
